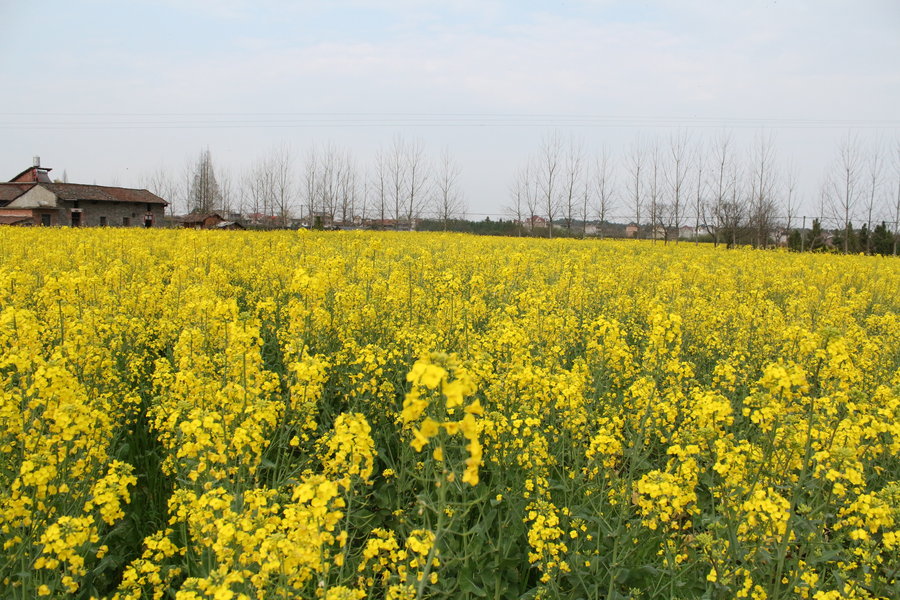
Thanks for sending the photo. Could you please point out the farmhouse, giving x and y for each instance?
(31, 198)
(207, 221)
(536, 222)
(688, 232)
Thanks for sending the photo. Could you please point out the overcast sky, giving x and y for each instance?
(111, 90)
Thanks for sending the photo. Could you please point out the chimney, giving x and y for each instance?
(36, 161)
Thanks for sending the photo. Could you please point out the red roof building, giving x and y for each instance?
(30, 198)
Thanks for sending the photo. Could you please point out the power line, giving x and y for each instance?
(236, 120)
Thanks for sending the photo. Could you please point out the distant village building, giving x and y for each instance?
(631, 230)
(687, 232)
(32, 198)
(208, 221)
(536, 222)
(320, 219)
(264, 220)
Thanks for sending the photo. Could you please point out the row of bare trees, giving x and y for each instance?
(562, 186)
(326, 185)
(863, 186)
(713, 187)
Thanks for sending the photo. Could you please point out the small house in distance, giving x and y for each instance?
(32, 198)
(207, 221)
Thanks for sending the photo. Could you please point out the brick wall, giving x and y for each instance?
(116, 214)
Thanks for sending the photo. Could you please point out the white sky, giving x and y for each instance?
(110, 91)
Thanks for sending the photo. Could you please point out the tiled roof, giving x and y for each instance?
(199, 218)
(11, 191)
(78, 191)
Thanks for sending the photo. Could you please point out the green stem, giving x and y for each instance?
(438, 530)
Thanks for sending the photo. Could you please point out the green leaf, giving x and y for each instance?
(467, 585)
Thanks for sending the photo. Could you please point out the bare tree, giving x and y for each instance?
(676, 178)
(347, 187)
(362, 205)
(330, 185)
(226, 194)
(587, 195)
(517, 198)
(724, 205)
(328, 175)
(874, 175)
(791, 203)
(380, 185)
(417, 181)
(574, 167)
(184, 184)
(842, 186)
(733, 212)
(401, 180)
(653, 185)
(700, 190)
(255, 191)
(547, 170)
(532, 194)
(312, 185)
(448, 201)
(636, 167)
(525, 195)
(397, 175)
(276, 174)
(762, 198)
(604, 187)
(160, 183)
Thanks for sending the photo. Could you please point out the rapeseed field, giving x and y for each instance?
(236, 415)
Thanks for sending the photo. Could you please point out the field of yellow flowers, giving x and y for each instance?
(236, 415)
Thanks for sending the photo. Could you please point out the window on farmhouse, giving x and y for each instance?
(103, 222)
(45, 220)
(126, 221)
